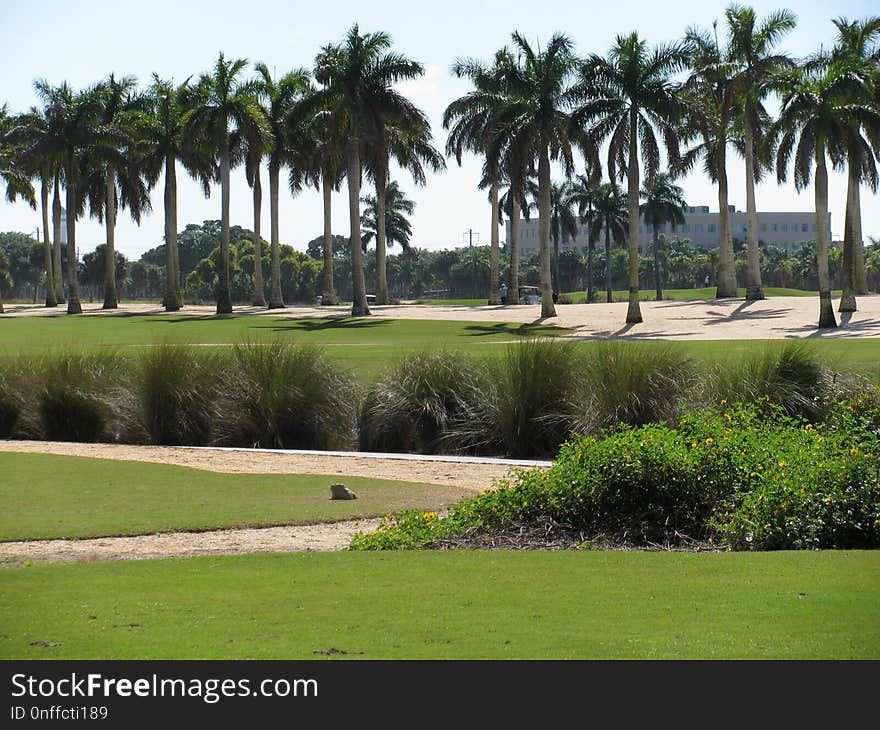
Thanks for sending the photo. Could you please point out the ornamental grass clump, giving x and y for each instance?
(177, 388)
(528, 404)
(791, 376)
(626, 383)
(15, 392)
(279, 395)
(85, 397)
(411, 407)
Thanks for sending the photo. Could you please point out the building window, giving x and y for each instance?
(687, 228)
(712, 227)
(805, 227)
(763, 228)
(785, 227)
(774, 227)
(698, 228)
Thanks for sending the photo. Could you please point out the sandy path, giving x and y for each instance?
(713, 319)
(301, 538)
(473, 476)
(321, 537)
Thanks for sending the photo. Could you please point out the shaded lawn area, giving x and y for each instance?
(444, 605)
(46, 496)
(28, 334)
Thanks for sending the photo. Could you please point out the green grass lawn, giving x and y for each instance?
(364, 346)
(46, 496)
(432, 605)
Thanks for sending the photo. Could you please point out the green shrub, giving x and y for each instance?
(177, 391)
(280, 395)
(628, 383)
(85, 397)
(411, 406)
(12, 398)
(753, 479)
(527, 406)
(790, 376)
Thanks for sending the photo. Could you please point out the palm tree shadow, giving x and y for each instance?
(323, 324)
(515, 330)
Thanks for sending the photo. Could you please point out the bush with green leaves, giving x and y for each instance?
(745, 476)
(285, 396)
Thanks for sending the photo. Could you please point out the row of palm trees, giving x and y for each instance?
(530, 107)
(108, 146)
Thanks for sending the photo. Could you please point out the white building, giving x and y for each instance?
(784, 230)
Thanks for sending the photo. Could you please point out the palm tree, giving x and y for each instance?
(535, 120)
(227, 112)
(629, 98)
(159, 130)
(397, 226)
(819, 110)
(612, 216)
(405, 136)
(325, 171)
(282, 101)
(470, 120)
(751, 49)
(858, 47)
(582, 195)
(664, 203)
(514, 203)
(111, 176)
(357, 76)
(709, 121)
(79, 137)
(563, 223)
(29, 126)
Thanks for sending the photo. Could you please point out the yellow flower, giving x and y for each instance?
(430, 516)
(728, 416)
(629, 458)
(821, 464)
(710, 441)
(808, 427)
(827, 500)
(821, 439)
(724, 401)
(760, 497)
(694, 445)
(760, 467)
(853, 451)
(783, 464)
(876, 523)
(869, 456)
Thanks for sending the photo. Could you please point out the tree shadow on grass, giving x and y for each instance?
(514, 330)
(322, 324)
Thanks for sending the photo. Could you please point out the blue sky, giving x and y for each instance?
(135, 39)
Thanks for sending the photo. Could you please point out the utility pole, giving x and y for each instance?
(470, 233)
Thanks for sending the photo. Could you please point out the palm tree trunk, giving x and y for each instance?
(327, 294)
(609, 294)
(259, 299)
(494, 284)
(726, 266)
(823, 239)
(51, 300)
(513, 290)
(359, 294)
(858, 246)
(56, 242)
(381, 267)
(633, 312)
(754, 288)
(224, 298)
(657, 278)
(547, 307)
(110, 300)
(276, 300)
(590, 248)
(848, 299)
(172, 277)
(73, 305)
(555, 284)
